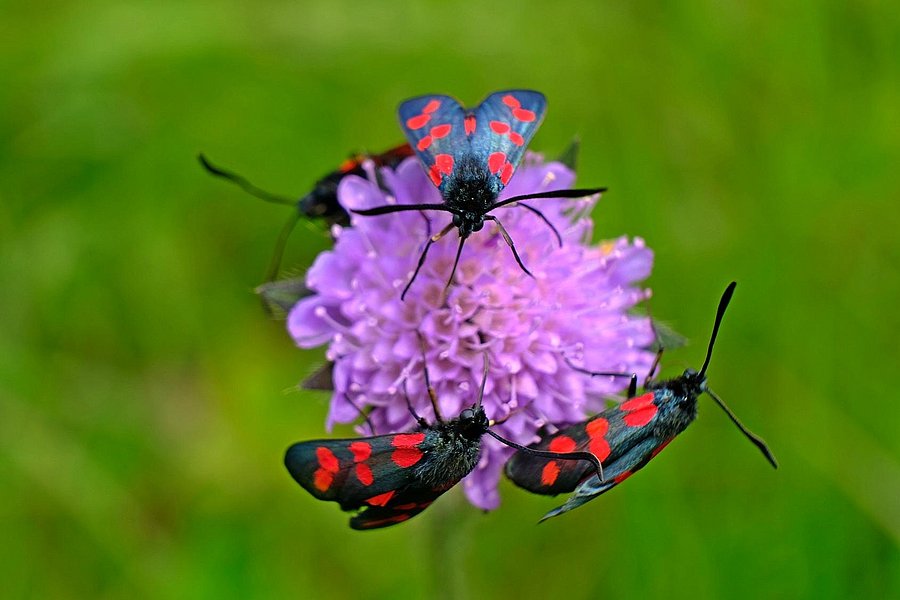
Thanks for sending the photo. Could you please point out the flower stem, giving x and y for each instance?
(450, 525)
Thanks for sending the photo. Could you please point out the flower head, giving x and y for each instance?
(574, 311)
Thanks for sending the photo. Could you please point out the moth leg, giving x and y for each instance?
(361, 412)
(422, 422)
(422, 256)
(632, 385)
(509, 242)
(431, 393)
(545, 220)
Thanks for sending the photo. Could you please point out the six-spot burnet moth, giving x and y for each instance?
(321, 202)
(470, 156)
(389, 479)
(625, 437)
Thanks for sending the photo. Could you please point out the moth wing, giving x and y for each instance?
(505, 122)
(615, 473)
(608, 436)
(357, 472)
(397, 508)
(435, 126)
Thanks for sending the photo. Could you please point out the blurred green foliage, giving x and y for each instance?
(146, 400)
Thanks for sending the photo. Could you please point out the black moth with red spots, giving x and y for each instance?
(624, 438)
(470, 156)
(390, 478)
(321, 202)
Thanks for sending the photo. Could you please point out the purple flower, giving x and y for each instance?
(575, 309)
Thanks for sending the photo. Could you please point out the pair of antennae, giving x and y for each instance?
(393, 208)
(755, 439)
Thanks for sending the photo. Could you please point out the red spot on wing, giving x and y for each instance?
(495, 161)
(435, 175)
(380, 499)
(348, 165)
(599, 448)
(322, 479)
(516, 139)
(418, 121)
(622, 476)
(407, 452)
(507, 173)
(424, 143)
(361, 451)
(439, 131)
(596, 430)
(641, 410)
(406, 457)
(364, 474)
(470, 124)
(523, 114)
(499, 127)
(597, 427)
(431, 107)
(409, 506)
(444, 163)
(549, 473)
(327, 459)
(407, 440)
(562, 443)
(511, 101)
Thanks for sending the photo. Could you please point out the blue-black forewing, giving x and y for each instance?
(374, 475)
(610, 436)
(435, 126)
(505, 122)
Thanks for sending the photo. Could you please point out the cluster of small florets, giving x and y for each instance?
(574, 311)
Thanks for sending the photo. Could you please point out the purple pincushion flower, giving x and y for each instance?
(575, 309)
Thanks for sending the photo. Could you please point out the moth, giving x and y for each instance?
(625, 437)
(471, 155)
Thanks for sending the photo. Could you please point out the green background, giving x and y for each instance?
(147, 399)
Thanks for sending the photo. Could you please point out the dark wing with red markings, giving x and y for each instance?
(378, 475)
(436, 129)
(609, 436)
(505, 122)
(615, 472)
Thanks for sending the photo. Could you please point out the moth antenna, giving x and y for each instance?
(545, 220)
(595, 462)
(431, 240)
(757, 441)
(462, 240)
(510, 243)
(581, 193)
(244, 184)
(392, 208)
(720, 312)
(484, 377)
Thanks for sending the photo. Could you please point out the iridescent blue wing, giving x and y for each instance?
(436, 127)
(503, 125)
